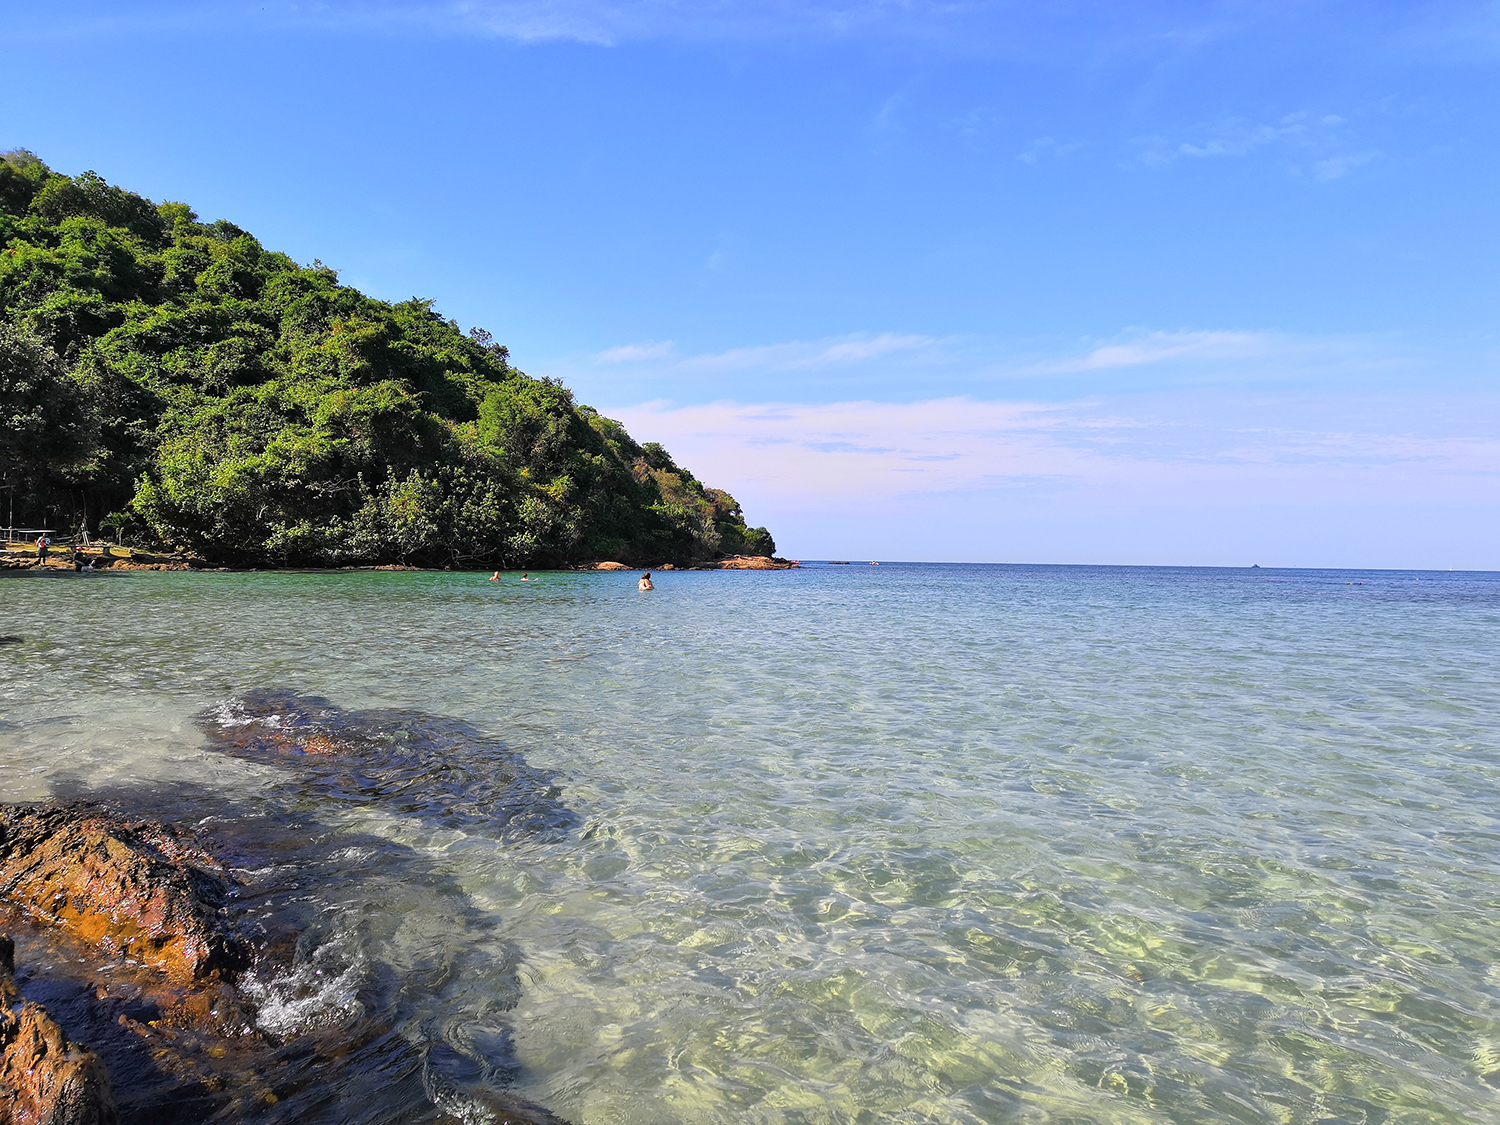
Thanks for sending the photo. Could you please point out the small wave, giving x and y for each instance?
(228, 713)
(319, 990)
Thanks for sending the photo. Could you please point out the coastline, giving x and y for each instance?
(61, 562)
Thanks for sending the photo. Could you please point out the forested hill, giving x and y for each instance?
(177, 381)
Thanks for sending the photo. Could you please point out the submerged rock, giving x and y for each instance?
(133, 943)
(44, 1078)
(138, 890)
(436, 769)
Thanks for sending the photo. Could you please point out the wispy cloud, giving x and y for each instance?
(796, 355)
(847, 455)
(802, 355)
(887, 126)
(636, 353)
(1158, 347)
(603, 22)
(1323, 145)
(1138, 358)
(853, 350)
(1337, 166)
(977, 122)
(858, 448)
(1061, 35)
(1044, 147)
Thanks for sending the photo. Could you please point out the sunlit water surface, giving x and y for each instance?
(896, 844)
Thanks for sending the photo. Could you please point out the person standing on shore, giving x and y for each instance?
(42, 543)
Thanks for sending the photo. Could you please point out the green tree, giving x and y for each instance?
(214, 395)
(48, 432)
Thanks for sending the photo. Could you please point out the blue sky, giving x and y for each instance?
(1072, 282)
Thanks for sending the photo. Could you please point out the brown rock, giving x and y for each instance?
(752, 562)
(137, 890)
(44, 1079)
(613, 566)
(180, 1049)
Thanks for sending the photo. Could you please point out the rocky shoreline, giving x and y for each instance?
(43, 1076)
(60, 561)
(141, 974)
(729, 562)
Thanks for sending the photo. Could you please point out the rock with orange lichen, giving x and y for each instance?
(184, 1038)
(44, 1079)
(138, 890)
(748, 562)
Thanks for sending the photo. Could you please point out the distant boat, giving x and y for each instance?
(836, 562)
(874, 564)
(1255, 566)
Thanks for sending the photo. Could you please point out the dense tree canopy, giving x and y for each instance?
(175, 379)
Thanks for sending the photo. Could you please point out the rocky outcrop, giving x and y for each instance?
(407, 762)
(729, 562)
(751, 562)
(130, 1005)
(45, 1079)
(137, 890)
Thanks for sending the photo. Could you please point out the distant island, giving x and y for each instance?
(172, 382)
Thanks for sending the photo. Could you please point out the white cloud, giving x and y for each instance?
(1323, 142)
(1237, 139)
(1337, 166)
(887, 126)
(891, 359)
(607, 23)
(635, 353)
(845, 456)
(853, 350)
(793, 355)
(978, 121)
(1156, 347)
(1044, 147)
(855, 448)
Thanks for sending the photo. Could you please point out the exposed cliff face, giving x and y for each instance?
(44, 1078)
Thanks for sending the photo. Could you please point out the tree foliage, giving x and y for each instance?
(175, 378)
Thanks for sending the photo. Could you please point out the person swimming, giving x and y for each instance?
(524, 577)
(645, 582)
(495, 577)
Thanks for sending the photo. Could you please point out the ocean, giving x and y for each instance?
(908, 843)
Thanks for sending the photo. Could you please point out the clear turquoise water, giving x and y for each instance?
(910, 844)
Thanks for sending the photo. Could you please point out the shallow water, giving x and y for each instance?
(915, 843)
